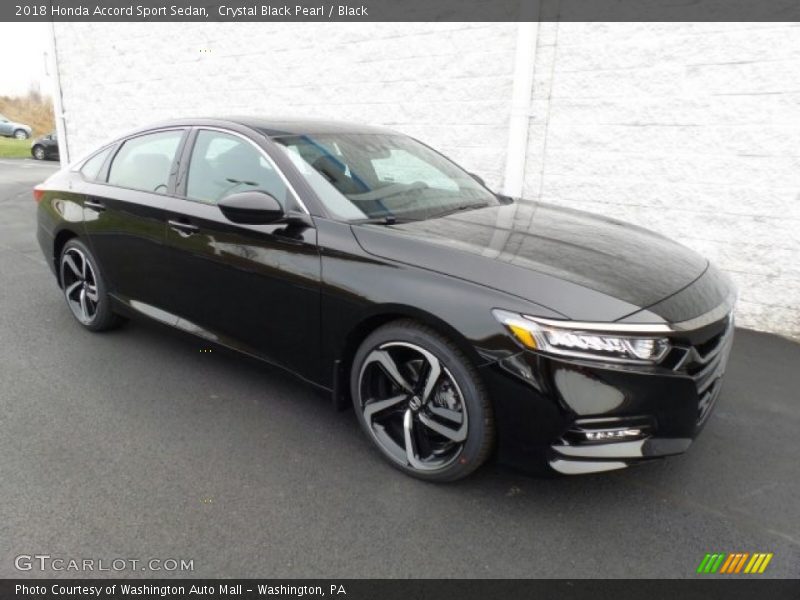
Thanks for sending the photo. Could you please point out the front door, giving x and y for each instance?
(254, 287)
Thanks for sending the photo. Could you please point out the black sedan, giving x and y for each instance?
(460, 323)
(45, 147)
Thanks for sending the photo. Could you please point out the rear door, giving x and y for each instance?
(254, 287)
(124, 214)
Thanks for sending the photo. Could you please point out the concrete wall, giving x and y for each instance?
(684, 128)
(688, 129)
(448, 83)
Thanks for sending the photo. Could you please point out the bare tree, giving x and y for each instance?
(35, 92)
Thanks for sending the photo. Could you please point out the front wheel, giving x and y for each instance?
(38, 153)
(84, 288)
(421, 402)
(21, 134)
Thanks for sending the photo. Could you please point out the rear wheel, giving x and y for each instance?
(421, 402)
(84, 288)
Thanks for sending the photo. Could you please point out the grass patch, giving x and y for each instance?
(11, 148)
(34, 110)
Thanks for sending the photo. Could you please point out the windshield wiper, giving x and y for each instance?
(383, 220)
(393, 220)
(459, 208)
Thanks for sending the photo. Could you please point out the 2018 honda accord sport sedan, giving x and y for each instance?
(459, 322)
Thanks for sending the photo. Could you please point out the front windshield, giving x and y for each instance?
(378, 176)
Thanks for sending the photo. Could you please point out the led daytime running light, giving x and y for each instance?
(592, 343)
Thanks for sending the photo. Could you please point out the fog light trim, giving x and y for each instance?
(610, 435)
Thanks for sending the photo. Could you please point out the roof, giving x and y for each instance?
(295, 126)
(276, 126)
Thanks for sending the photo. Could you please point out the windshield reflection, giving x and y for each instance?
(367, 176)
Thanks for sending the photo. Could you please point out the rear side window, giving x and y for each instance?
(91, 168)
(144, 162)
(224, 164)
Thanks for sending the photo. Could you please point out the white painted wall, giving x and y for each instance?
(688, 129)
(445, 83)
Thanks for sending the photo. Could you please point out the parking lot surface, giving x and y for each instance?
(135, 444)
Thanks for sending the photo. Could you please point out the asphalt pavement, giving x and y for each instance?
(134, 444)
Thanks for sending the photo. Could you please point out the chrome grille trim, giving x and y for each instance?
(693, 357)
(712, 316)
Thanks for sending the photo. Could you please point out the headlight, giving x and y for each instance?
(597, 341)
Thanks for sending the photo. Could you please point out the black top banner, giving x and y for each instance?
(400, 10)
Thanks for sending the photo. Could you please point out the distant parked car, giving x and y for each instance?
(9, 128)
(45, 147)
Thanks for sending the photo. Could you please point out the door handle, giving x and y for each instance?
(183, 228)
(94, 204)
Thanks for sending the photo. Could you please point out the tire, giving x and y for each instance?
(84, 288)
(20, 134)
(448, 420)
(38, 152)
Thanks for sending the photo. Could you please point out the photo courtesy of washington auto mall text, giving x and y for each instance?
(146, 590)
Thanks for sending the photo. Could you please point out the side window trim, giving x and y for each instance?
(102, 174)
(186, 157)
(176, 160)
(181, 179)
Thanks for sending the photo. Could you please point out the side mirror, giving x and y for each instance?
(479, 179)
(251, 208)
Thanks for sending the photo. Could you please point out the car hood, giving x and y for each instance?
(580, 265)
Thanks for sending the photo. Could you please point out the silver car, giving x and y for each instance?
(9, 128)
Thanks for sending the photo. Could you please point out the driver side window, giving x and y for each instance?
(224, 164)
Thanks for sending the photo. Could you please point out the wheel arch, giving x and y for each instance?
(60, 240)
(377, 317)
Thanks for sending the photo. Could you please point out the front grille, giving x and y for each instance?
(704, 357)
(709, 346)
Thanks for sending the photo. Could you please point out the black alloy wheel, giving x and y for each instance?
(84, 288)
(421, 402)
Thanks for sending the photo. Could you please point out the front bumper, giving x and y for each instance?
(587, 416)
(575, 459)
